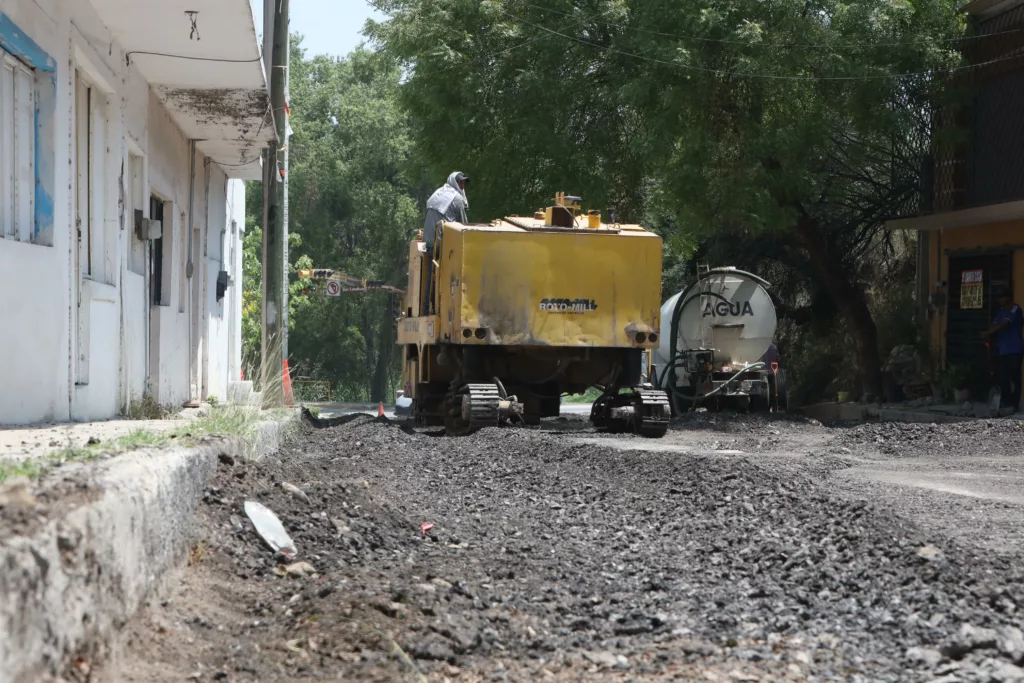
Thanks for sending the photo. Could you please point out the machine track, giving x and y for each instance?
(652, 412)
(473, 407)
(645, 411)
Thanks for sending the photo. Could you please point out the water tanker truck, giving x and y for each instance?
(717, 331)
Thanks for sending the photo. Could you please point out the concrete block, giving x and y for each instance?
(240, 393)
(857, 412)
(897, 415)
(67, 585)
(272, 435)
(74, 573)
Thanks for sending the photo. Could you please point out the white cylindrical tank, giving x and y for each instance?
(727, 311)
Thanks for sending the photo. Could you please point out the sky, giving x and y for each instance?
(329, 27)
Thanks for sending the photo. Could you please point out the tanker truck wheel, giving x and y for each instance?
(741, 404)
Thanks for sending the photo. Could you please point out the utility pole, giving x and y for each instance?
(275, 218)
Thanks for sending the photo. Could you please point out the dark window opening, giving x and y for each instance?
(156, 213)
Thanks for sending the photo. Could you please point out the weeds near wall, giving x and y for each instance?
(244, 423)
(146, 408)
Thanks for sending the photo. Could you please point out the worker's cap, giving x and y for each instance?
(462, 178)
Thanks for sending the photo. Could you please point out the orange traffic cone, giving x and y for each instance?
(380, 409)
(289, 397)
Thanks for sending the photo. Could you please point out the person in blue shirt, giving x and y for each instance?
(1008, 331)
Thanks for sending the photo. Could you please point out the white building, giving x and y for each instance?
(112, 111)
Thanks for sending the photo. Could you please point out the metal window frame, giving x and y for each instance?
(12, 227)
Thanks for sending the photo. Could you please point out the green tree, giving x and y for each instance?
(801, 122)
(350, 201)
(252, 278)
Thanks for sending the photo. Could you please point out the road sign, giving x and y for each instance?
(333, 288)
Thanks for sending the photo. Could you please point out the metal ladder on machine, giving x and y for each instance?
(707, 335)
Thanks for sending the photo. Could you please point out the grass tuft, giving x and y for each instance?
(239, 422)
(146, 408)
(589, 396)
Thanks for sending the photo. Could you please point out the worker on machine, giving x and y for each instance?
(448, 203)
(1008, 330)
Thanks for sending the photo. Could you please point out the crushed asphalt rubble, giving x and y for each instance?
(975, 438)
(566, 555)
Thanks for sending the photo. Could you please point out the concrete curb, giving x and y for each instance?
(271, 434)
(70, 585)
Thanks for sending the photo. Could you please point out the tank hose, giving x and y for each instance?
(684, 301)
(693, 399)
(677, 314)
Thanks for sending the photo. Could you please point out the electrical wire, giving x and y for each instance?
(128, 58)
(744, 74)
(235, 165)
(534, 40)
(809, 46)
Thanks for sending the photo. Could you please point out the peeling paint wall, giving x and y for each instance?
(216, 319)
(131, 345)
(34, 333)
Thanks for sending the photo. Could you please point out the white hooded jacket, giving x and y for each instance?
(448, 203)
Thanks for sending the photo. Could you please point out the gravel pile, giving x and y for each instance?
(524, 556)
(974, 438)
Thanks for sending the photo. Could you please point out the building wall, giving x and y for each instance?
(215, 327)
(992, 236)
(136, 340)
(83, 348)
(34, 375)
(236, 211)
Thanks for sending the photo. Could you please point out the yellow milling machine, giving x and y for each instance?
(518, 312)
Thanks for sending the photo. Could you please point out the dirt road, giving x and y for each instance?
(734, 549)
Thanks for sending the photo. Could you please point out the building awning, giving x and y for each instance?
(980, 215)
(202, 60)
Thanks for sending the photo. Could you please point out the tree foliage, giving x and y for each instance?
(355, 212)
(794, 127)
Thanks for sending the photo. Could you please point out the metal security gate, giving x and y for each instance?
(968, 317)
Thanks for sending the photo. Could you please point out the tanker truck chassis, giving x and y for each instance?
(757, 389)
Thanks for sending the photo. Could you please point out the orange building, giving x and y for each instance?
(971, 226)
